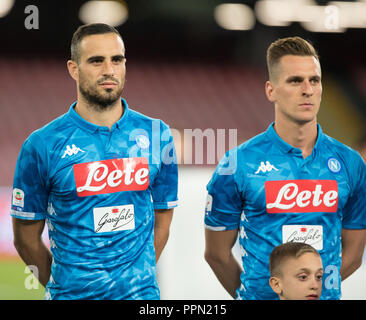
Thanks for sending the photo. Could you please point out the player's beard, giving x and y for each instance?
(101, 101)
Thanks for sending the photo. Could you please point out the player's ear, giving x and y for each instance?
(269, 88)
(72, 66)
(275, 284)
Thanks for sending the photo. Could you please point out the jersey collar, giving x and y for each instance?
(284, 146)
(91, 127)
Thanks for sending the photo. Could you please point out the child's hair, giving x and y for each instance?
(285, 251)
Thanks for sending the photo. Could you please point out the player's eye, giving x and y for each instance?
(118, 59)
(295, 80)
(319, 277)
(302, 277)
(96, 61)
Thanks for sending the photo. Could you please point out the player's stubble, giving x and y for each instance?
(100, 99)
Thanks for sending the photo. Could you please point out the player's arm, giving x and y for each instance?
(353, 245)
(218, 254)
(354, 220)
(30, 247)
(163, 219)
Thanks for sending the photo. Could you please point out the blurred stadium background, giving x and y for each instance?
(197, 64)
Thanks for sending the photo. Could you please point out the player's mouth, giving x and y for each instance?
(312, 297)
(108, 84)
(306, 105)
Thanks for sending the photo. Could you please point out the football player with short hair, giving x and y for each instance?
(291, 183)
(103, 177)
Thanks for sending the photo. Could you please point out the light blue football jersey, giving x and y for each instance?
(272, 195)
(97, 190)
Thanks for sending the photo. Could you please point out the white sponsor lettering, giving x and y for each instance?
(99, 171)
(290, 191)
(284, 193)
(141, 176)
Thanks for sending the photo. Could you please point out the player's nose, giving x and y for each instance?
(315, 284)
(108, 68)
(307, 88)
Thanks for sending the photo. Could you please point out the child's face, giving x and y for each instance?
(301, 278)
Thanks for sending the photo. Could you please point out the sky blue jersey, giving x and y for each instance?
(272, 195)
(97, 190)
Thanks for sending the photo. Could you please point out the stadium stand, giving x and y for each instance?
(186, 96)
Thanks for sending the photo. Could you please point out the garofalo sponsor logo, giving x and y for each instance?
(301, 196)
(117, 218)
(309, 234)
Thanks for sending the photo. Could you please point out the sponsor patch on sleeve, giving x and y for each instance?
(18, 197)
(208, 203)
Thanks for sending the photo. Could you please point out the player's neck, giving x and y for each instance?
(301, 136)
(105, 118)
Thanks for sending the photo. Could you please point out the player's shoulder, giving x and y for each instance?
(258, 144)
(339, 148)
(246, 153)
(50, 131)
(145, 119)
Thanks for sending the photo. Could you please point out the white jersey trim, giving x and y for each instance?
(214, 228)
(29, 215)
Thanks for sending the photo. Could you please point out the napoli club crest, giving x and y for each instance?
(142, 141)
(334, 165)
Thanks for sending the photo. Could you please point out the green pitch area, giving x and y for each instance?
(14, 281)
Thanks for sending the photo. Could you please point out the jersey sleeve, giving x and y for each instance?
(354, 215)
(30, 191)
(224, 203)
(165, 185)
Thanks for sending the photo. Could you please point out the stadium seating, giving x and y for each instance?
(185, 95)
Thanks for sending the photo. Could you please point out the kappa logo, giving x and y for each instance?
(71, 151)
(265, 167)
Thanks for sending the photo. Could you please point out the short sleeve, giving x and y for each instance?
(224, 203)
(30, 192)
(354, 214)
(165, 185)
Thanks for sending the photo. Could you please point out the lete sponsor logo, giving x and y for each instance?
(109, 176)
(301, 196)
